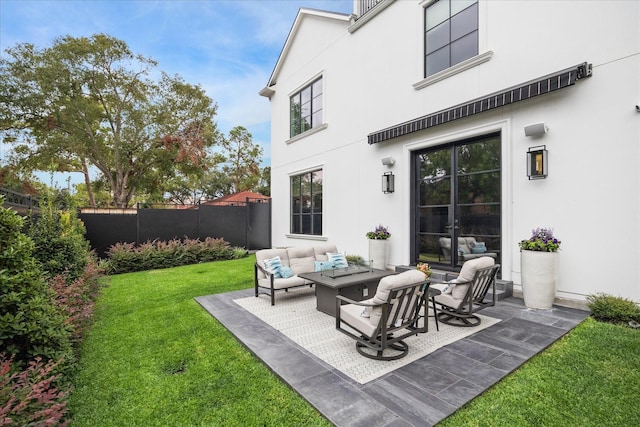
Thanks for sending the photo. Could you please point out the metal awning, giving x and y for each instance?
(521, 92)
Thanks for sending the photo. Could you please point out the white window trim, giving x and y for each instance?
(307, 237)
(452, 71)
(307, 133)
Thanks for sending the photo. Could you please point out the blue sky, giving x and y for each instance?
(229, 47)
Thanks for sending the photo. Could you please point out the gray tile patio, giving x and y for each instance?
(421, 393)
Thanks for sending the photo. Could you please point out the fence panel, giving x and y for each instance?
(259, 225)
(167, 224)
(247, 226)
(105, 230)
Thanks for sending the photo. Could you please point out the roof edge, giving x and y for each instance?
(303, 12)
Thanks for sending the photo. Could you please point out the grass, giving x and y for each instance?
(154, 357)
(591, 377)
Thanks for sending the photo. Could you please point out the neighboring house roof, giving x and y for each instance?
(303, 13)
(238, 198)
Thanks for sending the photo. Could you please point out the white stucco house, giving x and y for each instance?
(450, 97)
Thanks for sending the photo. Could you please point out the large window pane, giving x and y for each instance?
(317, 88)
(480, 220)
(305, 95)
(465, 48)
(433, 219)
(438, 61)
(435, 191)
(438, 37)
(479, 188)
(464, 22)
(317, 103)
(429, 249)
(458, 5)
(437, 13)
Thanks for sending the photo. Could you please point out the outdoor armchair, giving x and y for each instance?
(462, 297)
(380, 324)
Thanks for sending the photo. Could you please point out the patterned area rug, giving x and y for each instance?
(295, 316)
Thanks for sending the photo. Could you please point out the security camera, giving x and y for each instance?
(638, 108)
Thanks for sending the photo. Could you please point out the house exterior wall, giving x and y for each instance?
(592, 194)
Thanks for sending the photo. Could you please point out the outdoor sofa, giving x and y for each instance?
(468, 249)
(277, 269)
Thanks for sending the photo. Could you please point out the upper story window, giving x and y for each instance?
(451, 33)
(306, 108)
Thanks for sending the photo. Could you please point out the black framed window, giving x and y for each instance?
(451, 34)
(306, 203)
(306, 108)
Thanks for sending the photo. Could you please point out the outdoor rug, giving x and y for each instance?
(296, 317)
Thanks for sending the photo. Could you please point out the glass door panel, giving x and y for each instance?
(454, 210)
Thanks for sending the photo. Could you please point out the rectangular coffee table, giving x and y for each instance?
(355, 282)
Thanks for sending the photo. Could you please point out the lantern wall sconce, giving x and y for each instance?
(537, 162)
(388, 183)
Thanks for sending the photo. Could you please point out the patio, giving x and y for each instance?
(420, 393)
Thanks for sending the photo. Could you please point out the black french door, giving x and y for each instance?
(457, 202)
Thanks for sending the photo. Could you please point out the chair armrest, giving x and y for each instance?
(361, 303)
(261, 268)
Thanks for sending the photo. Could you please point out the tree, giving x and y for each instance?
(264, 186)
(243, 159)
(91, 102)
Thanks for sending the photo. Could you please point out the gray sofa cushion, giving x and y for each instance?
(320, 251)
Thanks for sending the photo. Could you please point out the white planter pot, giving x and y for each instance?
(538, 274)
(379, 253)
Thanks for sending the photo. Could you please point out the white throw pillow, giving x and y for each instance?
(272, 265)
(338, 259)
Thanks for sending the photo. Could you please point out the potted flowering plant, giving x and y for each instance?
(380, 233)
(537, 268)
(378, 247)
(424, 267)
(541, 240)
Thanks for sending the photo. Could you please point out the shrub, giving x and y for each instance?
(239, 252)
(31, 325)
(355, 259)
(608, 308)
(30, 397)
(60, 246)
(77, 298)
(127, 257)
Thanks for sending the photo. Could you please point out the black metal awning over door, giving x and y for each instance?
(521, 92)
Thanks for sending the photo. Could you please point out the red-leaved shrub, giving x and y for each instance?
(30, 397)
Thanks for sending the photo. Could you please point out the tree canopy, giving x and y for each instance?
(91, 102)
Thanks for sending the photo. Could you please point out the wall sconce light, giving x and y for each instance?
(537, 162)
(388, 182)
(535, 129)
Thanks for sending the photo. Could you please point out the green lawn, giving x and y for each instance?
(154, 357)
